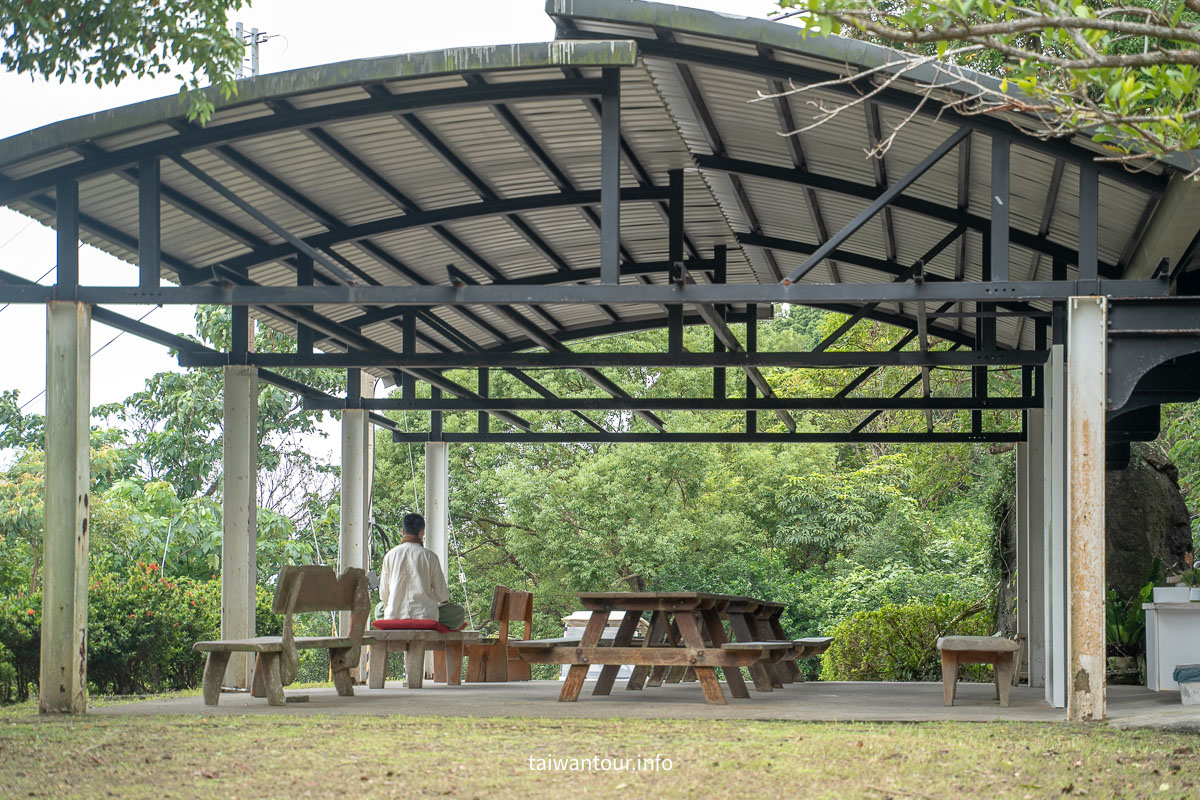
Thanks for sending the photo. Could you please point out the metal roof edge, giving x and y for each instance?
(835, 49)
(101, 124)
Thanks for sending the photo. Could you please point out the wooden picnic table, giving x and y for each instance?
(685, 633)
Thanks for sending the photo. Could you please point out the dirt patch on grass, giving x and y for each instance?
(314, 756)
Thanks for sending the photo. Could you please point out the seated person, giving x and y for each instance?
(411, 582)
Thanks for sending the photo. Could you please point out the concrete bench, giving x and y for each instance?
(414, 644)
(1000, 653)
(299, 589)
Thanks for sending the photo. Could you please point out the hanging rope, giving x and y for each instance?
(462, 575)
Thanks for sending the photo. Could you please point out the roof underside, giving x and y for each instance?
(488, 160)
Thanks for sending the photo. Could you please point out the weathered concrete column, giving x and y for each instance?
(1034, 560)
(1087, 322)
(1054, 552)
(353, 523)
(239, 514)
(63, 675)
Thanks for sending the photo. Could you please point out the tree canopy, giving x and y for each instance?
(106, 41)
(1128, 73)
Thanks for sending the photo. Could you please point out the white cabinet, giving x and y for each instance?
(1172, 638)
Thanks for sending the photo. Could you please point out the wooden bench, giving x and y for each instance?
(1000, 653)
(494, 659)
(809, 647)
(299, 589)
(414, 644)
(768, 652)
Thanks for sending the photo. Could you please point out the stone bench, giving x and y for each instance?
(414, 644)
(1000, 653)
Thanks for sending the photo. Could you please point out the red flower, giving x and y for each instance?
(31, 612)
(131, 616)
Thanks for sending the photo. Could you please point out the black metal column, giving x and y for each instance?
(610, 176)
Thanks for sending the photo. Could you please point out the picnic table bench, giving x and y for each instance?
(299, 589)
(686, 638)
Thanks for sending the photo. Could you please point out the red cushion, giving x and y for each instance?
(413, 625)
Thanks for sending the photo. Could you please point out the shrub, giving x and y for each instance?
(898, 643)
(20, 646)
(141, 628)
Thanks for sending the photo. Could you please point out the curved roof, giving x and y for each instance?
(487, 159)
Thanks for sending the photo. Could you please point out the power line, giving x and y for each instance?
(101, 347)
(9, 240)
(44, 274)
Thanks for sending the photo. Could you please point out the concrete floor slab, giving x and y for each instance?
(1128, 706)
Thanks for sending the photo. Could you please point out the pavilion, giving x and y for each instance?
(481, 208)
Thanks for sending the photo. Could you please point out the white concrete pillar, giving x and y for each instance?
(368, 475)
(1054, 541)
(239, 514)
(1034, 559)
(437, 499)
(352, 531)
(63, 674)
(1087, 324)
(1021, 554)
(437, 512)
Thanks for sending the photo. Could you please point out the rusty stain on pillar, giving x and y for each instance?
(1086, 393)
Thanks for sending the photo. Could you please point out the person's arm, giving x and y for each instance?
(437, 581)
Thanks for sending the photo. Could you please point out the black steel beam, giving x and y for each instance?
(299, 118)
(566, 359)
(487, 402)
(610, 176)
(434, 219)
(1089, 223)
(748, 438)
(745, 63)
(879, 166)
(947, 214)
(507, 295)
(1000, 205)
(787, 125)
(880, 202)
(66, 223)
(632, 162)
(149, 225)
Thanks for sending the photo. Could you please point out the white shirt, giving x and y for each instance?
(411, 584)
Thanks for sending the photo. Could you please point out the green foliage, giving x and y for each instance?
(106, 41)
(20, 645)
(1125, 623)
(141, 628)
(898, 642)
(172, 428)
(1127, 74)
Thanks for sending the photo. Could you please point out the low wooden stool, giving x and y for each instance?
(1000, 653)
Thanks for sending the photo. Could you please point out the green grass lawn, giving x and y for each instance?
(356, 756)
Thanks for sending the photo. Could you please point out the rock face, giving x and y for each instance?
(1146, 518)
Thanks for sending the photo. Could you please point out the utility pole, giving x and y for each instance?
(252, 40)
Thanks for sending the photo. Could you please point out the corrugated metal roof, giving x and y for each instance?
(349, 162)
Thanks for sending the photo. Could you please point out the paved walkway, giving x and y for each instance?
(828, 701)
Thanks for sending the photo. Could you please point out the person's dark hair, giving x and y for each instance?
(414, 524)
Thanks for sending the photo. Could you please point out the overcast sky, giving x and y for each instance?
(308, 32)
